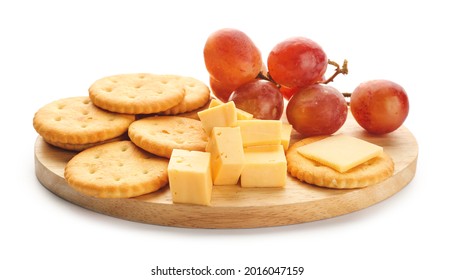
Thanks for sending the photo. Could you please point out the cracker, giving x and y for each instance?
(81, 147)
(193, 114)
(140, 93)
(116, 170)
(75, 120)
(311, 172)
(160, 135)
(196, 95)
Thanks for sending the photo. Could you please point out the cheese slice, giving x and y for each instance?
(227, 157)
(218, 116)
(241, 115)
(260, 132)
(190, 179)
(265, 166)
(340, 152)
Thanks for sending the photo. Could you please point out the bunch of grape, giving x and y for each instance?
(295, 71)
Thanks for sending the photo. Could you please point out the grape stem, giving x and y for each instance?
(339, 70)
(267, 77)
(347, 97)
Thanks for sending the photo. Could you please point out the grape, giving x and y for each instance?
(317, 110)
(379, 106)
(260, 98)
(288, 92)
(221, 90)
(231, 57)
(297, 62)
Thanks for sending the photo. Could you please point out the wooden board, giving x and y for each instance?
(236, 207)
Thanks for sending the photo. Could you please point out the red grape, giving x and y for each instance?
(297, 62)
(317, 110)
(379, 106)
(260, 98)
(231, 57)
(288, 92)
(221, 90)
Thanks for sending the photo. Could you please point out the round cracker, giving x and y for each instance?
(75, 120)
(311, 172)
(197, 95)
(116, 170)
(81, 147)
(160, 135)
(140, 93)
(194, 114)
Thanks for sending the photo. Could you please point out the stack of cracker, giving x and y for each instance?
(125, 131)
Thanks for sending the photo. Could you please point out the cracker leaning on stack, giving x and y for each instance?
(121, 167)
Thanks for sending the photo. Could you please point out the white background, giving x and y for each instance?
(54, 49)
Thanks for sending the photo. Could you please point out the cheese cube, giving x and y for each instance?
(340, 152)
(227, 158)
(221, 115)
(260, 132)
(286, 130)
(241, 115)
(190, 179)
(265, 166)
(215, 102)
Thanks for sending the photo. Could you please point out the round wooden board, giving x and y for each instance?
(236, 207)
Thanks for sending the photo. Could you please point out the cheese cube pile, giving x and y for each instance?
(261, 162)
(262, 155)
(240, 148)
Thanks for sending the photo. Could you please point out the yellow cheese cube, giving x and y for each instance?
(221, 115)
(215, 102)
(190, 179)
(260, 132)
(340, 152)
(286, 130)
(241, 115)
(227, 158)
(265, 166)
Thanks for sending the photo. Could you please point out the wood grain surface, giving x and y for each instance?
(236, 207)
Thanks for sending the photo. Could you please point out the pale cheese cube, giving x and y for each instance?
(241, 115)
(340, 152)
(260, 132)
(265, 166)
(218, 116)
(190, 179)
(215, 102)
(286, 131)
(227, 157)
